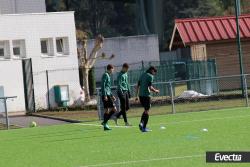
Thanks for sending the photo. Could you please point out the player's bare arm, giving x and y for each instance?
(154, 89)
(137, 91)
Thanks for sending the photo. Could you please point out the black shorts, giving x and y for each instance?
(124, 100)
(145, 102)
(109, 103)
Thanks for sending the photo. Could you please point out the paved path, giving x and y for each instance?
(24, 121)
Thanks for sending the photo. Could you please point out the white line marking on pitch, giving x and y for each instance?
(96, 125)
(143, 160)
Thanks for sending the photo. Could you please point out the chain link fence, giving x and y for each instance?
(166, 71)
(4, 115)
(4, 122)
(193, 95)
(197, 90)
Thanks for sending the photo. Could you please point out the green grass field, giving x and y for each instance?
(181, 144)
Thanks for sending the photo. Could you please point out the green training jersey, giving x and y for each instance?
(122, 82)
(106, 85)
(145, 81)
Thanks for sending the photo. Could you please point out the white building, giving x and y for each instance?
(131, 49)
(49, 39)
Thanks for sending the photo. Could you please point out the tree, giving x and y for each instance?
(208, 8)
(110, 18)
(229, 6)
(245, 4)
(189, 9)
(87, 61)
(124, 19)
(51, 5)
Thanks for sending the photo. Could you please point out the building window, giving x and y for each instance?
(47, 48)
(16, 51)
(62, 46)
(44, 47)
(4, 50)
(59, 45)
(19, 49)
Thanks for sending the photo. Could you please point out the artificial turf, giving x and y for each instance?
(181, 144)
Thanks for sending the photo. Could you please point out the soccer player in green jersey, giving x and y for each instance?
(107, 97)
(123, 91)
(144, 88)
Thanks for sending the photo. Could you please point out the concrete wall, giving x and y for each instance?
(12, 83)
(22, 6)
(33, 27)
(58, 77)
(131, 49)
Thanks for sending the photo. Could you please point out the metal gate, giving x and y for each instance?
(202, 69)
(28, 85)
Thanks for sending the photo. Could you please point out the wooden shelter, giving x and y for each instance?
(214, 38)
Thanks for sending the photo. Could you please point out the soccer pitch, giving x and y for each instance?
(182, 144)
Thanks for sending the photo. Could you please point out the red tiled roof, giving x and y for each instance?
(211, 29)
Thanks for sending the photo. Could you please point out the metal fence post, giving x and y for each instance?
(172, 97)
(6, 113)
(246, 90)
(6, 109)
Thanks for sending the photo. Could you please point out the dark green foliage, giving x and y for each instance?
(189, 9)
(110, 18)
(118, 17)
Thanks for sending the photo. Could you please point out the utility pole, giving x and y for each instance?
(238, 13)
